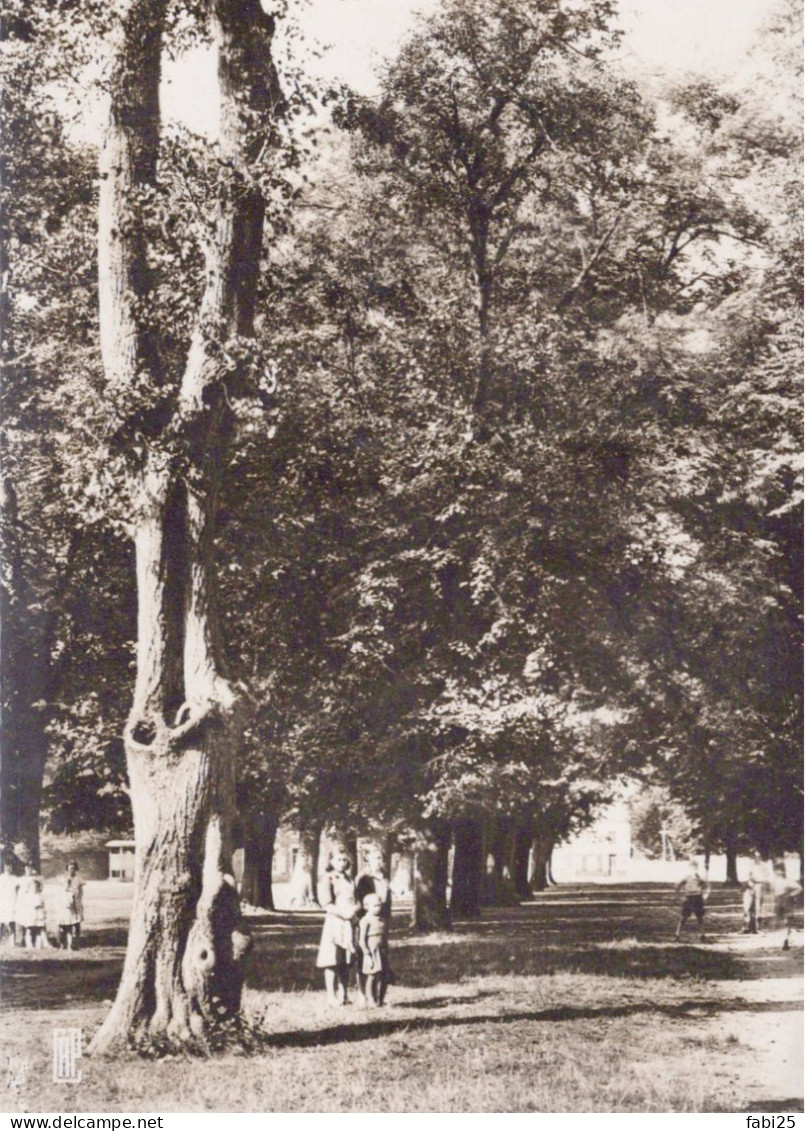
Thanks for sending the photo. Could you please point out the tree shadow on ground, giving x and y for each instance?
(776, 1105)
(693, 1010)
(53, 983)
(104, 937)
(280, 964)
(553, 936)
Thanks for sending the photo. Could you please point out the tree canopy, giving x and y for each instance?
(461, 462)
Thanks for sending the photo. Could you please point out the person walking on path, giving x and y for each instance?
(753, 897)
(695, 892)
(784, 893)
(373, 880)
(337, 943)
(70, 908)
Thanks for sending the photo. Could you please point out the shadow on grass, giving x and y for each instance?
(554, 935)
(279, 964)
(54, 983)
(104, 937)
(777, 1105)
(694, 1010)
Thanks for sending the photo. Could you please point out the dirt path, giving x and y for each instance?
(769, 1031)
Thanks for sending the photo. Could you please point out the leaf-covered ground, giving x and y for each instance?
(580, 1001)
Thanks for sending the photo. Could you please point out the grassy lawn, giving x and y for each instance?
(577, 1002)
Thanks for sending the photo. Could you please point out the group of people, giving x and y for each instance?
(23, 914)
(695, 891)
(355, 933)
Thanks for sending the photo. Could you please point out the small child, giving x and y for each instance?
(31, 909)
(373, 934)
(70, 908)
(695, 892)
(8, 902)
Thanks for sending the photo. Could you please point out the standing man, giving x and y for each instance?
(753, 898)
(695, 892)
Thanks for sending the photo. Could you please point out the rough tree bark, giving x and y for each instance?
(429, 911)
(259, 835)
(183, 972)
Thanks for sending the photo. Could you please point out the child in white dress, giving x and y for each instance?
(31, 909)
(8, 902)
(70, 907)
(373, 945)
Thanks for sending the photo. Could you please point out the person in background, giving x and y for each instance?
(373, 946)
(695, 892)
(9, 882)
(373, 880)
(753, 896)
(337, 943)
(30, 910)
(784, 894)
(70, 907)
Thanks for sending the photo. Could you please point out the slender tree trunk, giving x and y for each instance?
(541, 862)
(260, 833)
(429, 910)
(184, 965)
(468, 869)
(388, 842)
(24, 669)
(520, 863)
(731, 875)
(479, 230)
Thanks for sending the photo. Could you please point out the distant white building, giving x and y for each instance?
(601, 852)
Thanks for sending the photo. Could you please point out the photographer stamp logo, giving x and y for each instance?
(66, 1056)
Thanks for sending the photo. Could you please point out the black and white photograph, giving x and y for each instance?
(401, 559)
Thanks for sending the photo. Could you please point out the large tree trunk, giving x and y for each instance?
(468, 869)
(183, 971)
(259, 835)
(429, 911)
